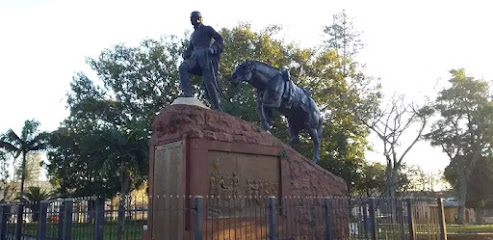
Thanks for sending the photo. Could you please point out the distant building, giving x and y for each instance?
(33, 165)
(13, 189)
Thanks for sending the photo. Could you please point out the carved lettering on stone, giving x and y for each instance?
(238, 181)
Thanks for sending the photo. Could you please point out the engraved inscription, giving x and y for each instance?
(168, 176)
(238, 181)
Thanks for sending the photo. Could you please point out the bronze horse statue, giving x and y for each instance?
(275, 90)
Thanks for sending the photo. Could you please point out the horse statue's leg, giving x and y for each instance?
(295, 134)
(316, 143)
(264, 114)
(295, 138)
(273, 94)
(268, 115)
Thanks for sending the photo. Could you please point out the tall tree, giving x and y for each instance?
(464, 129)
(392, 125)
(31, 139)
(347, 96)
(345, 39)
(480, 193)
(109, 122)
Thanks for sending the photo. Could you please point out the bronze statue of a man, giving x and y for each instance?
(202, 58)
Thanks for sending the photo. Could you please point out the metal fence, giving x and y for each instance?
(226, 218)
(81, 218)
(408, 219)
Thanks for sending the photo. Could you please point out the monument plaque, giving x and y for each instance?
(241, 177)
(168, 174)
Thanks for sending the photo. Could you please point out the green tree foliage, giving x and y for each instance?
(110, 120)
(345, 39)
(6, 188)
(420, 180)
(30, 140)
(480, 193)
(464, 129)
(372, 181)
(342, 89)
(101, 148)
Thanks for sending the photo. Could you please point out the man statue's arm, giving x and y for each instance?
(217, 46)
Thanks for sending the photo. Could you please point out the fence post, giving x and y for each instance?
(18, 226)
(373, 219)
(400, 215)
(441, 220)
(410, 219)
(67, 219)
(365, 220)
(42, 217)
(197, 207)
(99, 219)
(271, 204)
(61, 220)
(329, 225)
(3, 220)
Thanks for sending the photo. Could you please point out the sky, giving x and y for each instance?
(409, 45)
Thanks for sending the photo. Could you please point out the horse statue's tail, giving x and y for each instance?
(320, 128)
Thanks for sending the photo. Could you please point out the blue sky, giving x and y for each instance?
(410, 45)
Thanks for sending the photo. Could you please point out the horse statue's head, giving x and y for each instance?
(243, 72)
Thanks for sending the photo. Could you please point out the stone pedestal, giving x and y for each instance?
(196, 151)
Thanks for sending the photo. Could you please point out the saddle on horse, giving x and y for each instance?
(287, 100)
(287, 94)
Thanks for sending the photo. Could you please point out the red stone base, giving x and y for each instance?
(196, 151)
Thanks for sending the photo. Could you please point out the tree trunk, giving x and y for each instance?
(121, 204)
(392, 191)
(462, 198)
(391, 179)
(479, 214)
(20, 214)
(23, 176)
(388, 175)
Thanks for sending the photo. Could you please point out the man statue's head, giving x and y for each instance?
(196, 18)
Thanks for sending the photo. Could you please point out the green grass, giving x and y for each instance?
(132, 231)
(466, 228)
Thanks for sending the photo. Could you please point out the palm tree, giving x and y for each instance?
(29, 140)
(33, 197)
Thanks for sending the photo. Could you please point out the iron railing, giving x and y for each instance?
(230, 217)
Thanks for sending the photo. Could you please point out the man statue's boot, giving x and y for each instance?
(214, 98)
(211, 90)
(216, 103)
